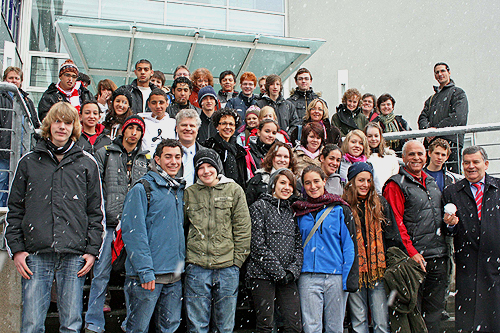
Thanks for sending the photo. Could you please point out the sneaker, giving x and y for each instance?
(106, 308)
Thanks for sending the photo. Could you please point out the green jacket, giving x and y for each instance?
(347, 121)
(218, 224)
(403, 277)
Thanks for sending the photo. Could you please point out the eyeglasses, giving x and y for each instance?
(73, 76)
(224, 124)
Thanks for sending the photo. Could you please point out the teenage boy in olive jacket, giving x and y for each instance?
(218, 242)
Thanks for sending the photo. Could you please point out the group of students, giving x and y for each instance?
(297, 203)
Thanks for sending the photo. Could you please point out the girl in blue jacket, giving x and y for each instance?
(329, 270)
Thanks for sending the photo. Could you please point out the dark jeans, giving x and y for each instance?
(265, 293)
(432, 291)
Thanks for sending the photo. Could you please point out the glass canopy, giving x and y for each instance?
(110, 49)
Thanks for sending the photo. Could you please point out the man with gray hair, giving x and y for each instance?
(474, 221)
(187, 124)
(415, 199)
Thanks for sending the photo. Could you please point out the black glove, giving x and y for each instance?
(287, 279)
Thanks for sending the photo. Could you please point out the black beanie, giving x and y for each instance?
(122, 91)
(207, 156)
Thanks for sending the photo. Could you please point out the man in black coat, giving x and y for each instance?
(303, 94)
(476, 226)
(68, 89)
(448, 107)
(55, 223)
(141, 87)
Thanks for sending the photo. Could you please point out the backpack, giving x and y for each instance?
(118, 252)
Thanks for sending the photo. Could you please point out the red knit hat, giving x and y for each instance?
(135, 120)
(68, 66)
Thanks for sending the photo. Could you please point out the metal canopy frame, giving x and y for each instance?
(70, 29)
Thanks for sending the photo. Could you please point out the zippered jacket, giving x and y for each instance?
(332, 249)
(112, 163)
(56, 206)
(276, 245)
(154, 234)
(218, 222)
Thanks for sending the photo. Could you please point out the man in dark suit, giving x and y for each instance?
(475, 227)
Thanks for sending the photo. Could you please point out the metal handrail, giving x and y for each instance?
(445, 131)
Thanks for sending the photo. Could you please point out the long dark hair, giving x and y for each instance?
(372, 202)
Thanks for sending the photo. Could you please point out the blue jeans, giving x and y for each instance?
(4, 181)
(165, 301)
(94, 319)
(322, 302)
(204, 285)
(358, 303)
(36, 291)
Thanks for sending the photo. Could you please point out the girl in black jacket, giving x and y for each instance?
(276, 255)
(259, 145)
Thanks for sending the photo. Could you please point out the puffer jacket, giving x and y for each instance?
(285, 111)
(301, 99)
(276, 245)
(56, 207)
(52, 95)
(347, 121)
(423, 214)
(153, 234)
(446, 108)
(112, 162)
(100, 141)
(241, 103)
(218, 222)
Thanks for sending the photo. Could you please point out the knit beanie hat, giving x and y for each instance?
(253, 109)
(122, 91)
(134, 120)
(358, 167)
(68, 66)
(204, 92)
(207, 156)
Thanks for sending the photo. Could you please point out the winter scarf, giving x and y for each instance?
(55, 150)
(391, 125)
(353, 159)
(316, 204)
(172, 182)
(312, 156)
(371, 256)
(73, 95)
